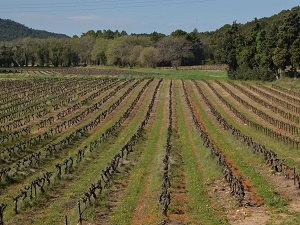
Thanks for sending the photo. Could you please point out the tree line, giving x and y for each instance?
(262, 52)
(103, 48)
(262, 49)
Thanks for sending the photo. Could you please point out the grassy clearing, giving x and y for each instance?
(185, 74)
(170, 74)
(156, 73)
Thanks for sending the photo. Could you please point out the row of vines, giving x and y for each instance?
(76, 144)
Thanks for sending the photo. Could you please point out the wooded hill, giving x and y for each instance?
(11, 30)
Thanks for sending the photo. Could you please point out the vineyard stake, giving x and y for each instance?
(294, 176)
(80, 219)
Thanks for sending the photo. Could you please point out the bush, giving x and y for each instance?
(246, 73)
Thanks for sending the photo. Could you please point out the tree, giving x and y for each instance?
(148, 57)
(287, 34)
(99, 51)
(69, 55)
(108, 34)
(268, 49)
(249, 55)
(43, 52)
(198, 48)
(27, 51)
(56, 50)
(6, 56)
(179, 33)
(90, 33)
(135, 55)
(155, 37)
(84, 49)
(295, 54)
(231, 47)
(260, 46)
(121, 50)
(173, 50)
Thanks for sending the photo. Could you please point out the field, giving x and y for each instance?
(147, 147)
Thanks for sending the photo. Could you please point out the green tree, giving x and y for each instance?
(99, 51)
(6, 56)
(198, 49)
(179, 33)
(56, 52)
(260, 46)
(155, 36)
(28, 49)
(295, 54)
(287, 34)
(121, 50)
(148, 57)
(268, 48)
(90, 33)
(84, 48)
(232, 45)
(249, 55)
(43, 52)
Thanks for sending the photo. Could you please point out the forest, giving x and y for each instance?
(263, 49)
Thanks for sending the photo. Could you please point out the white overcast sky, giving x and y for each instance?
(137, 16)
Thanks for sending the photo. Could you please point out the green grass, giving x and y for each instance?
(154, 146)
(184, 74)
(283, 150)
(201, 210)
(153, 72)
(241, 155)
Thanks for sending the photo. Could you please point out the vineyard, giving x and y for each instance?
(109, 149)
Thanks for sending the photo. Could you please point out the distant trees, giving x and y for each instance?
(262, 49)
(172, 51)
(148, 57)
(295, 53)
(260, 53)
(106, 47)
(98, 53)
(125, 50)
(6, 56)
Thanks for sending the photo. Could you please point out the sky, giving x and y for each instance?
(137, 16)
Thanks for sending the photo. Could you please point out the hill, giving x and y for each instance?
(11, 30)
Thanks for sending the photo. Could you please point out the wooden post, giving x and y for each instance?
(80, 219)
(294, 176)
(66, 217)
